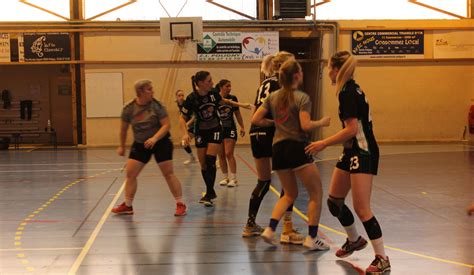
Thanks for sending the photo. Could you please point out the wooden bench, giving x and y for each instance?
(17, 137)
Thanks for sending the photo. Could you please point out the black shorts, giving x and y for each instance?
(261, 143)
(230, 133)
(204, 137)
(163, 151)
(289, 154)
(354, 161)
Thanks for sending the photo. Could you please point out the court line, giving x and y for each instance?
(62, 164)
(304, 217)
(41, 249)
(93, 208)
(64, 170)
(95, 233)
(19, 234)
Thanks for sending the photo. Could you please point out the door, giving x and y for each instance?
(61, 108)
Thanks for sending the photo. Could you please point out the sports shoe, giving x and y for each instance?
(315, 244)
(123, 209)
(213, 196)
(224, 181)
(378, 266)
(232, 183)
(268, 235)
(292, 237)
(252, 230)
(206, 201)
(180, 209)
(189, 160)
(349, 247)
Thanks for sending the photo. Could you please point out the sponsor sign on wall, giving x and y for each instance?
(5, 47)
(237, 45)
(47, 47)
(453, 44)
(388, 43)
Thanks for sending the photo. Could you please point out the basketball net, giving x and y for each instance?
(182, 41)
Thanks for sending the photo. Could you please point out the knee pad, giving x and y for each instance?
(210, 162)
(335, 206)
(372, 228)
(261, 189)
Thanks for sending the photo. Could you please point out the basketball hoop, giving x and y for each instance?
(181, 40)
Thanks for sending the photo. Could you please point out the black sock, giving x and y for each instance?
(313, 231)
(258, 194)
(273, 224)
(211, 173)
(188, 149)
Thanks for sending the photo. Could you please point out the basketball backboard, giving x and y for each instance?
(178, 28)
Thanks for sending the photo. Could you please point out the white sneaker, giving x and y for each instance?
(224, 181)
(232, 183)
(315, 244)
(189, 161)
(268, 236)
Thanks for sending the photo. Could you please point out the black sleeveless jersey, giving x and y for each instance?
(353, 104)
(267, 87)
(204, 108)
(226, 112)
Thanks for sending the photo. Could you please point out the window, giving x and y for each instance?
(34, 10)
(390, 9)
(153, 10)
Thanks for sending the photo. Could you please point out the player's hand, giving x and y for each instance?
(121, 151)
(315, 147)
(149, 143)
(249, 106)
(325, 121)
(242, 132)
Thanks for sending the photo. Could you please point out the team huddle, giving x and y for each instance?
(280, 136)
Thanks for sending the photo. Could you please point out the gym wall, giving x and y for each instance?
(424, 100)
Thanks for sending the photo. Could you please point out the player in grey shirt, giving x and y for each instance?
(290, 110)
(150, 125)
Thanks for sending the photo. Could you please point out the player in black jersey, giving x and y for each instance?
(357, 164)
(261, 139)
(190, 127)
(226, 114)
(203, 103)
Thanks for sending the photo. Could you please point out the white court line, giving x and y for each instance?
(62, 164)
(67, 170)
(95, 233)
(40, 249)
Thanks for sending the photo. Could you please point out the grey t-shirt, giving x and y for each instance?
(145, 119)
(287, 119)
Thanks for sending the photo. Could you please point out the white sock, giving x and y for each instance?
(179, 199)
(351, 231)
(233, 176)
(377, 244)
(128, 201)
(226, 176)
